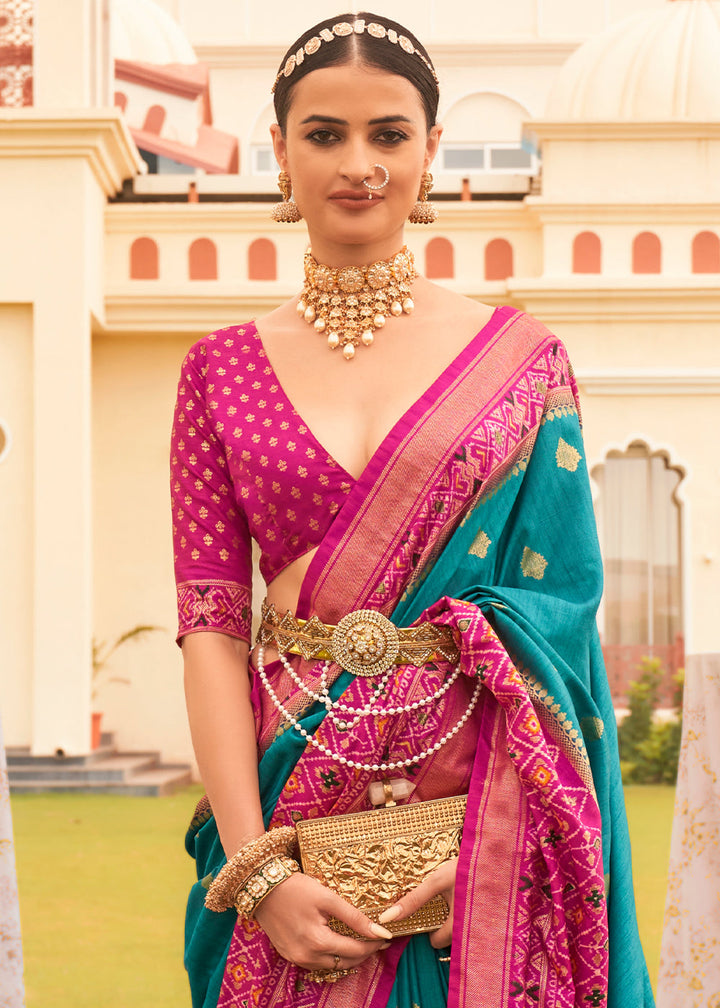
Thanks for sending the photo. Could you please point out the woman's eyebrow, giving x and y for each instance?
(343, 122)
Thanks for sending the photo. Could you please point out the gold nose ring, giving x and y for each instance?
(374, 188)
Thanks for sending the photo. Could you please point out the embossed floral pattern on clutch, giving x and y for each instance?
(372, 858)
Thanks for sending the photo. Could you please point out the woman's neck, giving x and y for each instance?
(337, 254)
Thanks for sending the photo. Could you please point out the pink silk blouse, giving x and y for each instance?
(244, 465)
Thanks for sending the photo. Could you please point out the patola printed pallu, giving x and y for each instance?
(474, 513)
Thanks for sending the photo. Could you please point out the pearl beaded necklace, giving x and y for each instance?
(338, 757)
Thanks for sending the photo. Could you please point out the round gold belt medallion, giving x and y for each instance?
(365, 643)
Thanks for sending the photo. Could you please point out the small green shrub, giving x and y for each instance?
(650, 749)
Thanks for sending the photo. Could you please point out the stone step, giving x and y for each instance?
(113, 767)
(162, 780)
(19, 756)
(104, 771)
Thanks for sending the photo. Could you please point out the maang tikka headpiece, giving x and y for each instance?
(342, 29)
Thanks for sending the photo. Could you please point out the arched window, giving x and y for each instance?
(587, 253)
(120, 100)
(639, 519)
(706, 253)
(202, 256)
(154, 119)
(646, 253)
(498, 259)
(483, 132)
(144, 260)
(262, 260)
(439, 259)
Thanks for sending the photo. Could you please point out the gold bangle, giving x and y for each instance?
(262, 882)
(226, 885)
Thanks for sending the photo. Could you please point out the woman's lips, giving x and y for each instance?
(351, 200)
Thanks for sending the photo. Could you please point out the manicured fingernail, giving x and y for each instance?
(380, 932)
(392, 913)
(385, 946)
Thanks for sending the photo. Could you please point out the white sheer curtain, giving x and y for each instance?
(690, 961)
(11, 961)
(639, 519)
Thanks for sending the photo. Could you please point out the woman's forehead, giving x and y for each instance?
(355, 92)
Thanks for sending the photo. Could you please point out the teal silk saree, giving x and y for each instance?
(475, 513)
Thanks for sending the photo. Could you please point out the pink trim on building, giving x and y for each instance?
(646, 253)
(439, 259)
(587, 253)
(262, 260)
(202, 260)
(215, 151)
(144, 260)
(498, 259)
(706, 252)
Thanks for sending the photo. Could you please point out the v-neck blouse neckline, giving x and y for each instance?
(407, 416)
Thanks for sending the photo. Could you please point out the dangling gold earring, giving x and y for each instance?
(286, 212)
(424, 212)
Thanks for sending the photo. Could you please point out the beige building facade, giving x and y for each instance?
(579, 180)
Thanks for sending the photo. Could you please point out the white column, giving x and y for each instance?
(70, 54)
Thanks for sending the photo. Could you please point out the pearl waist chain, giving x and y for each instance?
(346, 716)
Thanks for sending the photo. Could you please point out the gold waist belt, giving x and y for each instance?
(364, 642)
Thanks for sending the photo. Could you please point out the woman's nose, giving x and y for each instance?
(356, 164)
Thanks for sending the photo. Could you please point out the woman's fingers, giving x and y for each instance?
(335, 906)
(443, 936)
(295, 918)
(440, 881)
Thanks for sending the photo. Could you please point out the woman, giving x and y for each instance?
(393, 447)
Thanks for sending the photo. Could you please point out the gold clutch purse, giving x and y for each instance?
(371, 859)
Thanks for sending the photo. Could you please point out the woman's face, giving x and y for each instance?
(343, 120)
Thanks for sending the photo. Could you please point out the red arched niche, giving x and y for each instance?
(646, 253)
(587, 253)
(202, 260)
(706, 253)
(154, 119)
(498, 259)
(262, 260)
(144, 260)
(439, 259)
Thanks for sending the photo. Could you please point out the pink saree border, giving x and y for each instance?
(344, 570)
(495, 815)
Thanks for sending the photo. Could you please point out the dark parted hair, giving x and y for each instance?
(365, 48)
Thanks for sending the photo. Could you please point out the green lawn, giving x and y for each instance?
(103, 883)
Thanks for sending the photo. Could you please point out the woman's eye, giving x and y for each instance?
(392, 137)
(322, 136)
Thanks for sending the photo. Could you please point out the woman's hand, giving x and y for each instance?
(295, 917)
(441, 880)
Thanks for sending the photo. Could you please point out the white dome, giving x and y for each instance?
(143, 32)
(657, 66)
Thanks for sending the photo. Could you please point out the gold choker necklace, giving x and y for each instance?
(350, 303)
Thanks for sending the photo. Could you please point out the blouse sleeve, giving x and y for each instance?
(212, 549)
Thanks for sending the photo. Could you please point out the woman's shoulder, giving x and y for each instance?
(219, 347)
